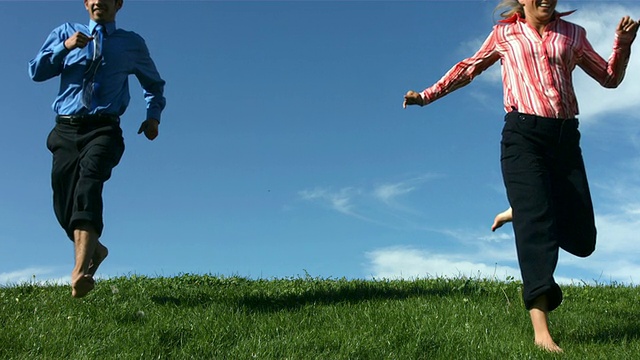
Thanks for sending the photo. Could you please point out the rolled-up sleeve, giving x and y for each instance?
(151, 82)
(48, 63)
(609, 73)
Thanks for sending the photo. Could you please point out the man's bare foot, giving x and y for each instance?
(501, 219)
(82, 285)
(99, 255)
(548, 344)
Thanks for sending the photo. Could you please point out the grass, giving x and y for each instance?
(210, 317)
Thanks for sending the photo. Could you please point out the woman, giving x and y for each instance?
(541, 160)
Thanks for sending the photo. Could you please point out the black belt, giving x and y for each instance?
(88, 119)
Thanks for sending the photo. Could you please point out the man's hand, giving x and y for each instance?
(412, 98)
(150, 128)
(627, 29)
(77, 40)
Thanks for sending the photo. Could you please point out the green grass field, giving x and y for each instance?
(210, 317)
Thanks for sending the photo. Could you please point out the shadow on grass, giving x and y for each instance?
(265, 300)
(294, 293)
(351, 293)
(620, 327)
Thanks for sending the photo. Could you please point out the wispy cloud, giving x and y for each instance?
(389, 192)
(340, 201)
(367, 203)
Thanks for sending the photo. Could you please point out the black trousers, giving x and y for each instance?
(547, 187)
(83, 158)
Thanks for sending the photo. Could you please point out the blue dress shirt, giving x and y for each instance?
(123, 53)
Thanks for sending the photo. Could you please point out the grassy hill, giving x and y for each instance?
(210, 317)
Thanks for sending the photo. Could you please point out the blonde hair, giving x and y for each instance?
(510, 7)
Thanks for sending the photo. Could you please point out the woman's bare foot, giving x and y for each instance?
(548, 345)
(99, 255)
(501, 219)
(82, 285)
(540, 322)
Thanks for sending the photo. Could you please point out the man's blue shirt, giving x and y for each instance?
(123, 53)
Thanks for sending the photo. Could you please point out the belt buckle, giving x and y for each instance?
(76, 120)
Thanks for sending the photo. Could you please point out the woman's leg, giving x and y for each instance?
(529, 180)
(540, 321)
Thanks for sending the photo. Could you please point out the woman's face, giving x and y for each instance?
(540, 10)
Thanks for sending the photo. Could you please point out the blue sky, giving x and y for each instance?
(284, 148)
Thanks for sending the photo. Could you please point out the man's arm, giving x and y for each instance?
(153, 86)
(49, 60)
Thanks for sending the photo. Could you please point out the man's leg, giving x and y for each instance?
(97, 160)
(98, 257)
(64, 176)
(64, 173)
(85, 243)
(89, 254)
(77, 181)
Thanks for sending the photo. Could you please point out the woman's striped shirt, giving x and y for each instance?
(536, 70)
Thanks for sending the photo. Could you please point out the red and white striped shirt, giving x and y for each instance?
(536, 70)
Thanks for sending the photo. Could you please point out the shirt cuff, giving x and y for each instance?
(425, 99)
(622, 43)
(153, 114)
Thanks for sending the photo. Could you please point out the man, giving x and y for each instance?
(93, 62)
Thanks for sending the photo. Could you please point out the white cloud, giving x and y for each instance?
(617, 255)
(474, 254)
(410, 263)
(37, 275)
(595, 102)
(618, 234)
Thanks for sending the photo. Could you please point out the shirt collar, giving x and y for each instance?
(109, 27)
(517, 17)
